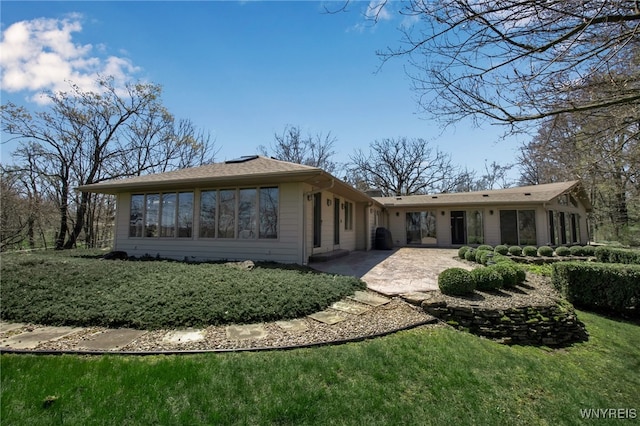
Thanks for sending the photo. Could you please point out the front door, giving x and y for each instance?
(458, 234)
(336, 221)
(317, 219)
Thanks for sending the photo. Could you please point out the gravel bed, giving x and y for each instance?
(536, 291)
(396, 314)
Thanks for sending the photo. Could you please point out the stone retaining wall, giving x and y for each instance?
(551, 325)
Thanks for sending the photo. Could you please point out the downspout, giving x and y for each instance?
(305, 258)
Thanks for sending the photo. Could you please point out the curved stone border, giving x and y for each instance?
(545, 325)
(203, 351)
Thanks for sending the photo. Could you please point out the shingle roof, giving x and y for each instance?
(244, 169)
(533, 194)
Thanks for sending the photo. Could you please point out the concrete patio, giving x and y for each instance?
(399, 271)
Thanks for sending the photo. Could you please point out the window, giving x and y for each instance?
(348, 216)
(247, 213)
(421, 227)
(185, 214)
(136, 215)
(518, 227)
(160, 215)
(208, 209)
(168, 228)
(152, 212)
(227, 213)
(475, 229)
(268, 212)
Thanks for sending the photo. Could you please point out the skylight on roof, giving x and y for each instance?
(242, 159)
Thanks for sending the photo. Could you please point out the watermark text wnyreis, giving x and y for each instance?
(608, 413)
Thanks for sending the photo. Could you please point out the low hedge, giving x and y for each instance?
(515, 251)
(562, 251)
(599, 286)
(470, 255)
(617, 255)
(545, 251)
(462, 251)
(530, 251)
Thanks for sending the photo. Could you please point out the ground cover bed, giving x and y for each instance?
(79, 289)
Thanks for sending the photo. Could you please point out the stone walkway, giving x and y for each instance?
(17, 336)
(398, 271)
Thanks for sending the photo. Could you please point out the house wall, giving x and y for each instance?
(396, 222)
(350, 239)
(287, 248)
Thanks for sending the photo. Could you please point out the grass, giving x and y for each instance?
(424, 376)
(76, 289)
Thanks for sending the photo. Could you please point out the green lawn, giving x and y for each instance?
(76, 288)
(425, 376)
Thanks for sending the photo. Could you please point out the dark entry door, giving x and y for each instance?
(317, 219)
(458, 234)
(336, 221)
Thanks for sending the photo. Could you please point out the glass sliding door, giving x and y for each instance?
(421, 228)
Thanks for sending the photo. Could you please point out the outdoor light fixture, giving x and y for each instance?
(328, 201)
(442, 212)
(491, 212)
(342, 206)
(397, 213)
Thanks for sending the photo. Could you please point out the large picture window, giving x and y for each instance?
(518, 227)
(161, 215)
(421, 227)
(475, 228)
(227, 213)
(268, 212)
(245, 213)
(208, 213)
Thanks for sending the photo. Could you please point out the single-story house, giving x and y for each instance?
(264, 209)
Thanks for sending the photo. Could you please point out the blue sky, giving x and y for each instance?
(240, 70)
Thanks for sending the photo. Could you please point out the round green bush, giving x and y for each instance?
(530, 251)
(501, 258)
(515, 251)
(563, 251)
(589, 250)
(545, 251)
(485, 247)
(456, 282)
(470, 255)
(508, 272)
(487, 278)
(462, 250)
(502, 249)
(479, 253)
(575, 251)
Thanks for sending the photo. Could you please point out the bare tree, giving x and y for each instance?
(292, 146)
(403, 167)
(88, 137)
(515, 61)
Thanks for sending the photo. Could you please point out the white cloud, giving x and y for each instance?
(40, 55)
(378, 10)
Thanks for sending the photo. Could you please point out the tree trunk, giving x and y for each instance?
(79, 225)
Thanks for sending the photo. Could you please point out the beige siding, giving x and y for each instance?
(286, 248)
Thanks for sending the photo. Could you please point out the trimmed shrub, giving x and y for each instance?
(599, 286)
(545, 251)
(508, 272)
(515, 251)
(487, 278)
(502, 249)
(521, 274)
(575, 251)
(589, 250)
(462, 250)
(479, 254)
(470, 255)
(485, 247)
(456, 282)
(563, 251)
(500, 258)
(530, 251)
(486, 256)
(617, 255)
